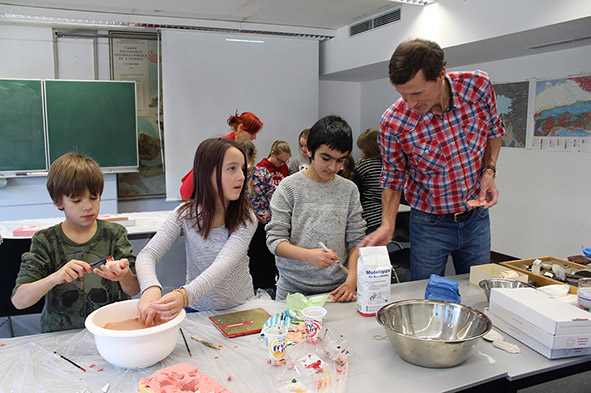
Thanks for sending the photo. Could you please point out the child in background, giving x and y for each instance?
(58, 264)
(260, 190)
(217, 226)
(276, 162)
(244, 126)
(367, 177)
(302, 161)
(316, 205)
(348, 170)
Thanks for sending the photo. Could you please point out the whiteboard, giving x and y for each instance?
(207, 76)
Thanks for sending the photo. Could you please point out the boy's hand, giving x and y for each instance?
(148, 315)
(321, 258)
(169, 305)
(344, 293)
(71, 271)
(113, 270)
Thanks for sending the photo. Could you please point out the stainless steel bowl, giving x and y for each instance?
(491, 283)
(432, 333)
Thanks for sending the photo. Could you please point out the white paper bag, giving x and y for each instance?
(374, 274)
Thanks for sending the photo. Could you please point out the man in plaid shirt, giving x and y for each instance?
(439, 143)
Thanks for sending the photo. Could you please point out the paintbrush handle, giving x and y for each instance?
(343, 267)
(205, 342)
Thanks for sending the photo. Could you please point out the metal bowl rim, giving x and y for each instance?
(499, 279)
(489, 323)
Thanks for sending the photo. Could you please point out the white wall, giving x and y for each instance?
(27, 52)
(331, 103)
(449, 23)
(206, 78)
(543, 207)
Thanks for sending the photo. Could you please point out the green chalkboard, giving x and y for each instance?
(94, 118)
(22, 137)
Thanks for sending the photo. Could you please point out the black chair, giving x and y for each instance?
(400, 261)
(10, 257)
(398, 248)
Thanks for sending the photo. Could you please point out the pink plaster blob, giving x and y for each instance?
(182, 377)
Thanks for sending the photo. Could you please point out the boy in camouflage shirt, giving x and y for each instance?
(58, 264)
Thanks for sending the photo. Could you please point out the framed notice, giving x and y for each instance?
(136, 57)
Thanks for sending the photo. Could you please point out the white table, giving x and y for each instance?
(145, 223)
(28, 363)
(382, 370)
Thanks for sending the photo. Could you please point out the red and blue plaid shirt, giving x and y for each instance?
(437, 159)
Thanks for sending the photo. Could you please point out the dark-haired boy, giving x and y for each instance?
(58, 264)
(312, 206)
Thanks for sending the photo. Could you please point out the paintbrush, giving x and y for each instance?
(106, 259)
(68, 360)
(205, 342)
(343, 267)
(186, 343)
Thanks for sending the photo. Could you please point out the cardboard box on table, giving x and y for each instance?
(545, 324)
(537, 346)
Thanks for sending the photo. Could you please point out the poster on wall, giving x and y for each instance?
(512, 99)
(137, 59)
(562, 114)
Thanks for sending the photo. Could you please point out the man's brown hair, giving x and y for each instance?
(412, 56)
(71, 175)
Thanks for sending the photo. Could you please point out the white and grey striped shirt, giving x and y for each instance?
(217, 268)
(367, 178)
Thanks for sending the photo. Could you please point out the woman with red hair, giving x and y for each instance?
(244, 126)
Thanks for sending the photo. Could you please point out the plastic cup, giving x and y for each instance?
(313, 319)
(275, 341)
(584, 294)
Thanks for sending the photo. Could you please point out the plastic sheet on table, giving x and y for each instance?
(317, 366)
(28, 363)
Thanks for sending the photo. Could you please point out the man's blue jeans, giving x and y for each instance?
(434, 237)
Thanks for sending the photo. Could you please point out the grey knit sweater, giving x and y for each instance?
(217, 268)
(305, 212)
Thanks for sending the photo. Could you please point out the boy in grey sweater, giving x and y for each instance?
(312, 206)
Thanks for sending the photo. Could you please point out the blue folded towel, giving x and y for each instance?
(441, 288)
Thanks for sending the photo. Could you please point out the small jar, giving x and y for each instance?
(584, 294)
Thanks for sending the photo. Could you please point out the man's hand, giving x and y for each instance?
(379, 237)
(488, 189)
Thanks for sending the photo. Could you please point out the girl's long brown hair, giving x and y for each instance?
(250, 150)
(209, 158)
(368, 143)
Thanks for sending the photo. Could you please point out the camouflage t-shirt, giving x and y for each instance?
(67, 305)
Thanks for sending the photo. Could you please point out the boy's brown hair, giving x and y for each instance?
(71, 175)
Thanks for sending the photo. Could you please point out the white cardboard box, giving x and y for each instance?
(537, 346)
(548, 313)
(558, 341)
(492, 270)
